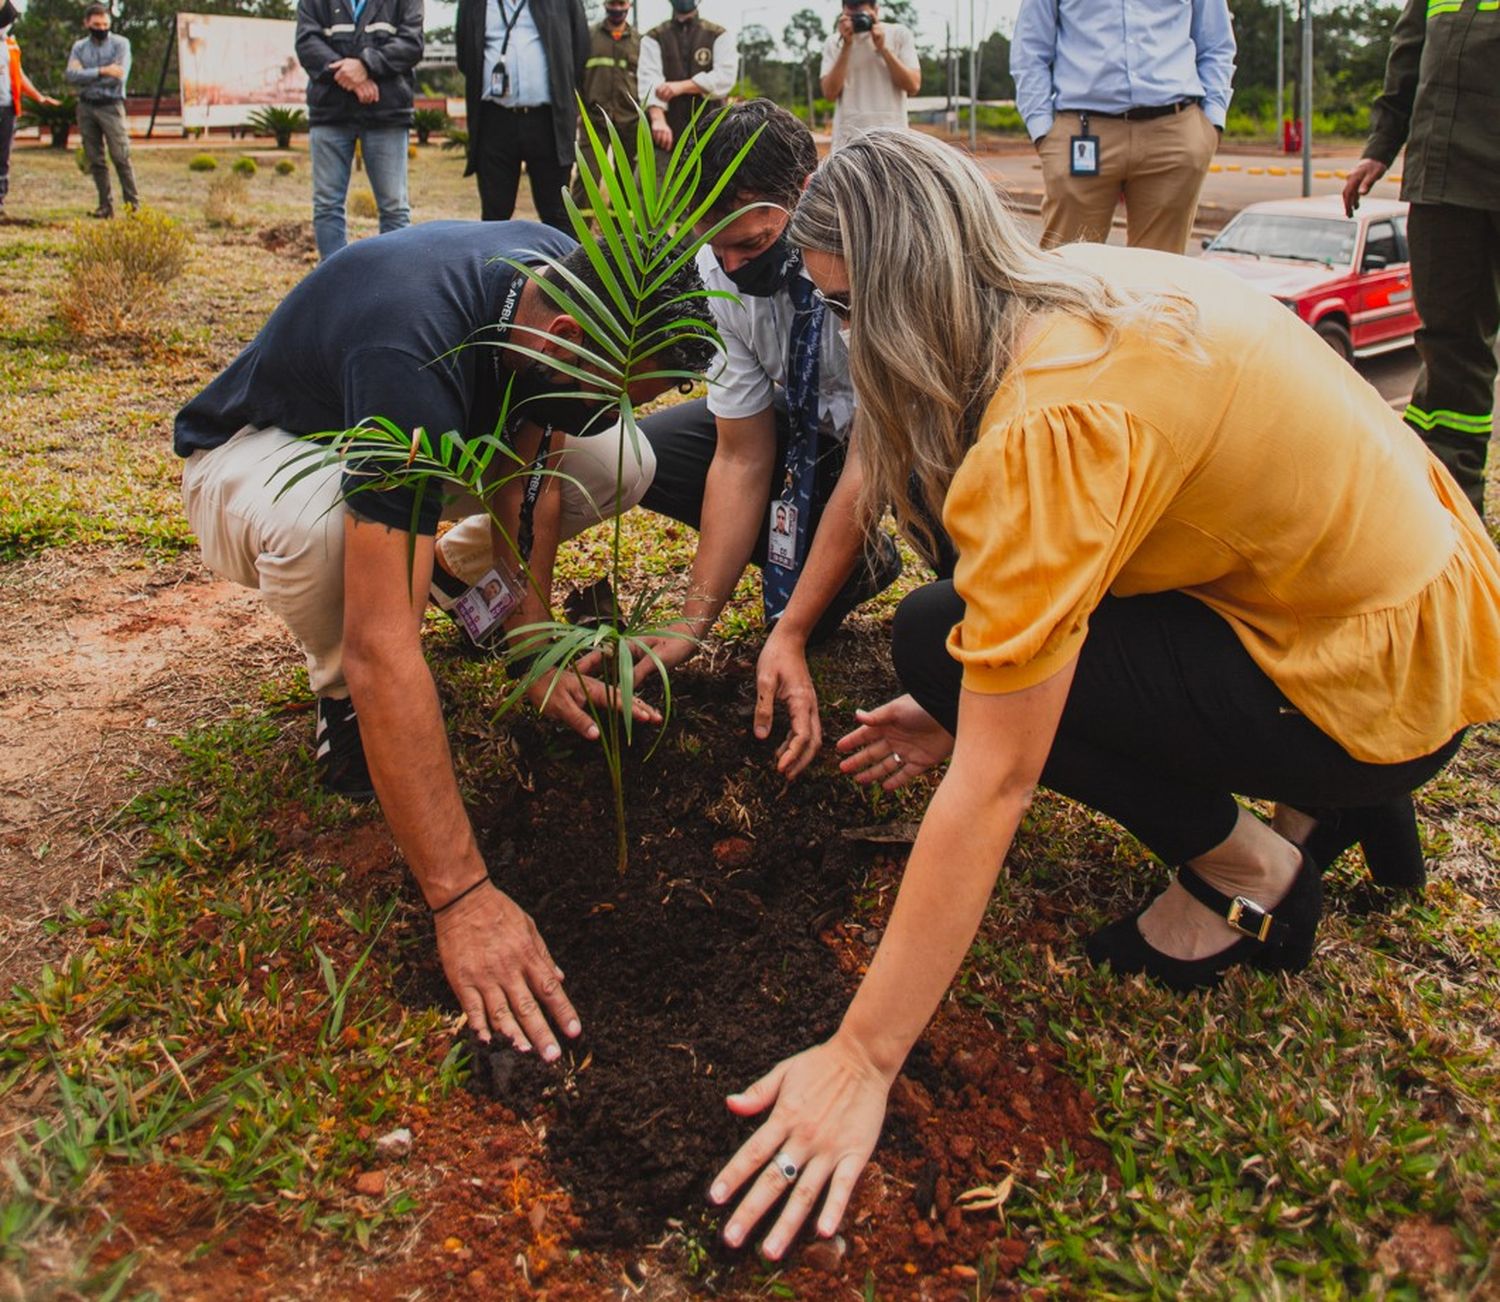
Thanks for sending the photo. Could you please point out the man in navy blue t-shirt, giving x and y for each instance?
(378, 330)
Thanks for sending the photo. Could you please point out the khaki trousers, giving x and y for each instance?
(286, 539)
(1157, 165)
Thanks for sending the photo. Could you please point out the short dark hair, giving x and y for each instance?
(774, 170)
(95, 8)
(693, 350)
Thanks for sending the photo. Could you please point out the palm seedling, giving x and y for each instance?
(647, 235)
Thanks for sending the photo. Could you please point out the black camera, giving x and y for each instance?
(862, 22)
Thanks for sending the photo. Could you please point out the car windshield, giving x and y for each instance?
(1329, 240)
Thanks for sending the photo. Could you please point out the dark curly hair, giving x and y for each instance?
(691, 349)
(774, 170)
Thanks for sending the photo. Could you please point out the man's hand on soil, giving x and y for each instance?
(673, 645)
(829, 1103)
(505, 980)
(781, 675)
(565, 696)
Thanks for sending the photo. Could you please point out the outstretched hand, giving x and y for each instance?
(566, 696)
(781, 675)
(827, 1106)
(894, 743)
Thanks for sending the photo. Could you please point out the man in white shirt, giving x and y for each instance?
(762, 467)
(685, 61)
(869, 68)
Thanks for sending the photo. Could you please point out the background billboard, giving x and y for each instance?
(231, 66)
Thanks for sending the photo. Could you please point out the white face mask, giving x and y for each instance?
(844, 333)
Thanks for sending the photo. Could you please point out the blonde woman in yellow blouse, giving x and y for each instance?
(1198, 556)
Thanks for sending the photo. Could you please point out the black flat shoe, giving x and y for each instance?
(1387, 833)
(1276, 940)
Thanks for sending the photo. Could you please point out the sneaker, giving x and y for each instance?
(340, 755)
(872, 576)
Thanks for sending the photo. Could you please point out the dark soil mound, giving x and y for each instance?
(695, 972)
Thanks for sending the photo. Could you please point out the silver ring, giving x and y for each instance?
(900, 763)
(785, 1167)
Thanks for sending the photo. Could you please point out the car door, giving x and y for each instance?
(1383, 301)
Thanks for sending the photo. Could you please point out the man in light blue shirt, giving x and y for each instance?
(1123, 96)
(522, 61)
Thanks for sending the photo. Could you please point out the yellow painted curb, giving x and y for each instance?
(1275, 171)
(1255, 171)
(1394, 178)
(1323, 175)
(1214, 167)
(1231, 167)
(1342, 173)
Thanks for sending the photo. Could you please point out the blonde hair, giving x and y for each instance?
(943, 283)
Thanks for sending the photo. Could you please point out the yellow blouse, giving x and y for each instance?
(1268, 481)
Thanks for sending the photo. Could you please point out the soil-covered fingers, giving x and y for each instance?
(803, 742)
(752, 1163)
(840, 1190)
(497, 1010)
(560, 699)
(545, 980)
(605, 697)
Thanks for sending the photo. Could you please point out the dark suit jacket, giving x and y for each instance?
(565, 37)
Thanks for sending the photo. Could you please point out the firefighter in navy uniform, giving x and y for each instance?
(609, 87)
(684, 61)
(1442, 99)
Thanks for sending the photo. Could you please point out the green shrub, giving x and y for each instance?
(278, 122)
(285, 167)
(427, 120)
(455, 138)
(117, 272)
(203, 163)
(362, 204)
(244, 166)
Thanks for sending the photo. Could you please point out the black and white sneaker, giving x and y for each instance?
(340, 755)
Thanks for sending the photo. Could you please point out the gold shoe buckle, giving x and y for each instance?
(1259, 921)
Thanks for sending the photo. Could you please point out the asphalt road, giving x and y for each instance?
(1237, 180)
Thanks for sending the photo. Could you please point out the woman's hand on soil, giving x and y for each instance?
(781, 675)
(499, 967)
(565, 696)
(893, 744)
(827, 1105)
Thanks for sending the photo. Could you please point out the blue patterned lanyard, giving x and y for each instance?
(803, 351)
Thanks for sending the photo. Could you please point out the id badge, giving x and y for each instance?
(484, 607)
(500, 78)
(1083, 155)
(782, 548)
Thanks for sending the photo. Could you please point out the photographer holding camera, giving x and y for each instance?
(869, 68)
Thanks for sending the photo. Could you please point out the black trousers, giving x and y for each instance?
(684, 438)
(1167, 719)
(7, 134)
(1455, 280)
(508, 138)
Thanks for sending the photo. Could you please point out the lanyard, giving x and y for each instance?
(526, 534)
(357, 7)
(509, 22)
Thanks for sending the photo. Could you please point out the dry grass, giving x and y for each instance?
(118, 273)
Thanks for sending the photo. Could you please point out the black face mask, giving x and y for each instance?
(768, 271)
(684, 7)
(616, 17)
(579, 417)
(97, 36)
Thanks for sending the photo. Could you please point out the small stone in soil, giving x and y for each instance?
(826, 1255)
(733, 852)
(396, 1143)
(370, 1183)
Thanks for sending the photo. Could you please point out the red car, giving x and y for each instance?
(1347, 277)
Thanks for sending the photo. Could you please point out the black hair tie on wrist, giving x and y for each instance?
(467, 890)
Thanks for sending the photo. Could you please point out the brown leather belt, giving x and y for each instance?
(1141, 114)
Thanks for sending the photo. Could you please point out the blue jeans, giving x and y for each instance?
(384, 153)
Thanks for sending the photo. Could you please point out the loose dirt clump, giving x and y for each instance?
(722, 950)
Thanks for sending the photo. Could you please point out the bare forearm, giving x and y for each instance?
(833, 79)
(406, 748)
(734, 495)
(947, 885)
(905, 78)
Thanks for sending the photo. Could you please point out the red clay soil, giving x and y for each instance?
(727, 945)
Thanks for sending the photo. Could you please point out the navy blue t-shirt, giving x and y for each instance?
(370, 333)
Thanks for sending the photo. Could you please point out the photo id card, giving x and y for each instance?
(484, 607)
(1083, 156)
(782, 548)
